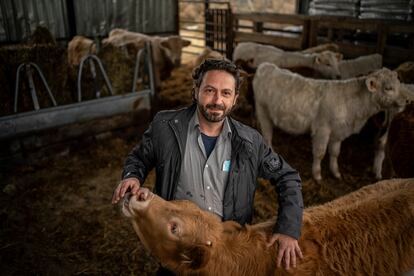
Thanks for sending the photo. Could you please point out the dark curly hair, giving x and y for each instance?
(214, 64)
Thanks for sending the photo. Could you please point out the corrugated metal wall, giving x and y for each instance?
(18, 18)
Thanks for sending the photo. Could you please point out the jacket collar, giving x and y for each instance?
(179, 124)
(241, 136)
(242, 131)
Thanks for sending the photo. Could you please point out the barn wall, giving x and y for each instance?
(19, 18)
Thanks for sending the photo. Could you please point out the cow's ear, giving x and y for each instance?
(185, 43)
(199, 255)
(165, 43)
(318, 59)
(371, 84)
(339, 56)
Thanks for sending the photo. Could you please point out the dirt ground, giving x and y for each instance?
(56, 217)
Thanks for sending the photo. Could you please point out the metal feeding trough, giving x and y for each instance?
(25, 123)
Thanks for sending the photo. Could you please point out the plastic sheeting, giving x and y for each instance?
(334, 7)
(387, 9)
(377, 9)
(19, 18)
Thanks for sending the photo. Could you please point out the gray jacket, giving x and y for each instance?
(162, 147)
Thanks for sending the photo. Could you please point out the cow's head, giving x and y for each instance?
(178, 233)
(327, 63)
(172, 47)
(386, 89)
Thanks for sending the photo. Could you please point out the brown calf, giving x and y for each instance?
(367, 232)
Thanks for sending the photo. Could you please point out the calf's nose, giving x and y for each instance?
(143, 194)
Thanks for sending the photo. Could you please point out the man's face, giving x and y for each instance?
(216, 95)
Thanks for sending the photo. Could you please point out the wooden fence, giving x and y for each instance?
(355, 37)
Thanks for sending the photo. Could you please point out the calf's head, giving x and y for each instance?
(386, 89)
(178, 233)
(172, 48)
(326, 63)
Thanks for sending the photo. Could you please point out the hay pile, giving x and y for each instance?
(176, 91)
(50, 58)
(41, 49)
(119, 67)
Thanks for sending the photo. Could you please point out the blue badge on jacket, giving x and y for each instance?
(226, 166)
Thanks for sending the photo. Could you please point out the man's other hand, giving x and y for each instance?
(129, 184)
(289, 250)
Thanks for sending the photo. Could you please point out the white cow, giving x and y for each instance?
(330, 110)
(360, 66)
(325, 63)
(322, 47)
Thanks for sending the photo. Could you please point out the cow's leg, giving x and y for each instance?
(334, 150)
(265, 122)
(380, 155)
(382, 142)
(319, 144)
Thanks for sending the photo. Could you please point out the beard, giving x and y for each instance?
(214, 116)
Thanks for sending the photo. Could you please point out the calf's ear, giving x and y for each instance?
(231, 226)
(371, 84)
(199, 256)
(165, 42)
(339, 56)
(185, 43)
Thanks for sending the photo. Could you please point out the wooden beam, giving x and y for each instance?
(278, 41)
(272, 17)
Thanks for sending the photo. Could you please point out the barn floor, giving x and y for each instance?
(56, 217)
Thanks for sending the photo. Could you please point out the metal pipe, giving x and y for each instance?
(98, 61)
(27, 67)
(32, 87)
(16, 90)
(44, 83)
(148, 48)
(136, 69)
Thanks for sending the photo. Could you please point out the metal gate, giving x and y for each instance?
(219, 30)
(207, 24)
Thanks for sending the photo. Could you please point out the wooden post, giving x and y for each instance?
(305, 34)
(70, 7)
(258, 27)
(177, 18)
(208, 28)
(330, 34)
(382, 38)
(313, 33)
(230, 34)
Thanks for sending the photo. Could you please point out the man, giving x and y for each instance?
(203, 155)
